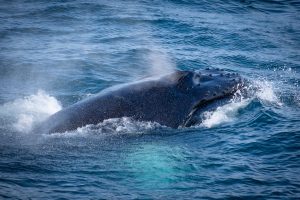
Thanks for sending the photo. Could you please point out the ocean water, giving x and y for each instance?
(55, 53)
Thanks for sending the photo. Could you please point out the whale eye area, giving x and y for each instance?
(196, 79)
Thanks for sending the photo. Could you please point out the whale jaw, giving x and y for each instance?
(214, 87)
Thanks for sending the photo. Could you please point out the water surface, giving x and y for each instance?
(56, 53)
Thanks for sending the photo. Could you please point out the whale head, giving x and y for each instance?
(204, 87)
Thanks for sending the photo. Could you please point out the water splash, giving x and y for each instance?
(113, 126)
(223, 114)
(263, 91)
(23, 113)
(267, 92)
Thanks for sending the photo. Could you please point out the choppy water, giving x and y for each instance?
(58, 52)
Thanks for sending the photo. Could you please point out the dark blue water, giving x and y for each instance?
(54, 53)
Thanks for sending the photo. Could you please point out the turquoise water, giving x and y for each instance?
(56, 53)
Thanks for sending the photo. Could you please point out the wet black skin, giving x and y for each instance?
(170, 100)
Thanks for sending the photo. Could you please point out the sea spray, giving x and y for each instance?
(160, 63)
(25, 112)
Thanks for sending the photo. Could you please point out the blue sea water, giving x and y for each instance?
(55, 53)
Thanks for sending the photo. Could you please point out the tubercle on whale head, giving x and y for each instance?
(216, 83)
(209, 82)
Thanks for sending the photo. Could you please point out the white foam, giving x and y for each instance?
(113, 126)
(267, 92)
(224, 114)
(25, 112)
(264, 91)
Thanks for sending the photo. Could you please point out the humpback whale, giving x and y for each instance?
(171, 100)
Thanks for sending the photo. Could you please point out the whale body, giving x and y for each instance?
(171, 100)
